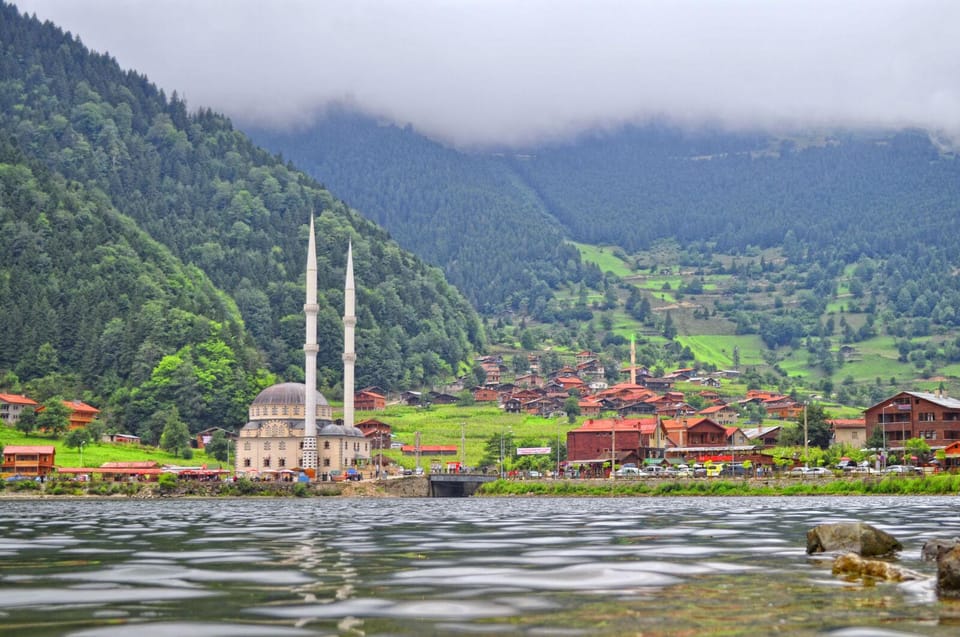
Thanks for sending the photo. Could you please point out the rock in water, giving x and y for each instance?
(851, 537)
(948, 573)
(933, 548)
(854, 565)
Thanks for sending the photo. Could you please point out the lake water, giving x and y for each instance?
(473, 566)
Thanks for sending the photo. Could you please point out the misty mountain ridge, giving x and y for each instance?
(631, 187)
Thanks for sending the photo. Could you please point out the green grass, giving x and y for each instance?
(718, 349)
(441, 425)
(605, 259)
(95, 454)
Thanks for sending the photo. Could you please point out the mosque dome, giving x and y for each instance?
(334, 429)
(286, 399)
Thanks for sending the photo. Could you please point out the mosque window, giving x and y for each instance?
(282, 462)
(286, 410)
(326, 462)
(274, 410)
(326, 444)
(266, 462)
(266, 446)
(246, 446)
(296, 410)
(246, 462)
(301, 444)
(282, 446)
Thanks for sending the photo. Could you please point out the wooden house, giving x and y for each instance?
(29, 460)
(367, 400)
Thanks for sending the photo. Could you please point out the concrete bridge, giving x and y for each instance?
(456, 485)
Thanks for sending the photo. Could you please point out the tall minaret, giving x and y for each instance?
(349, 353)
(310, 363)
(633, 359)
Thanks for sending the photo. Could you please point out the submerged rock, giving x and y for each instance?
(856, 566)
(851, 537)
(948, 573)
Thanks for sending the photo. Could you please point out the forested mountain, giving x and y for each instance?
(472, 216)
(891, 200)
(151, 257)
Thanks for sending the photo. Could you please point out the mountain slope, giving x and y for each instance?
(218, 205)
(468, 214)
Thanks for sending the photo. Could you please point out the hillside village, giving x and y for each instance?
(641, 421)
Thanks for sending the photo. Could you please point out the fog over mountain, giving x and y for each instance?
(503, 72)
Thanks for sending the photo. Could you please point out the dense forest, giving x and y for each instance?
(474, 217)
(887, 202)
(152, 256)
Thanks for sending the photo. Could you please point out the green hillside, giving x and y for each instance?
(152, 257)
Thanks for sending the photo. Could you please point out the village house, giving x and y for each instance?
(596, 442)
(721, 414)
(849, 431)
(29, 460)
(12, 406)
(377, 432)
(203, 438)
(485, 395)
(366, 400)
(81, 414)
(531, 379)
(766, 437)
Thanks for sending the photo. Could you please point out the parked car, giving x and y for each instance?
(810, 471)
(337, 475)
(534, 474)
(713, 470)
(628, 472)
(903, 469)
(654, 471)
(733, 470)
(353, 474)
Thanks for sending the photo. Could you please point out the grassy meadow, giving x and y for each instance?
(97, 453)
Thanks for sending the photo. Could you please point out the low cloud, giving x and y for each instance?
(494, 72)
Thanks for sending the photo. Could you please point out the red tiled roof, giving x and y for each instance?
(28, 449)
(14, 399)
(79, 405)
(848, 422)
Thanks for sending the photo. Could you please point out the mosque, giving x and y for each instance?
(291, 427)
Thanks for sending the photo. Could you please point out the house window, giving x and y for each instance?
(854, 435)
(926, 416)
(928, 435)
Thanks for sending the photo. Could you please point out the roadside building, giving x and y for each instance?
(29, 460)
(932, 417)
